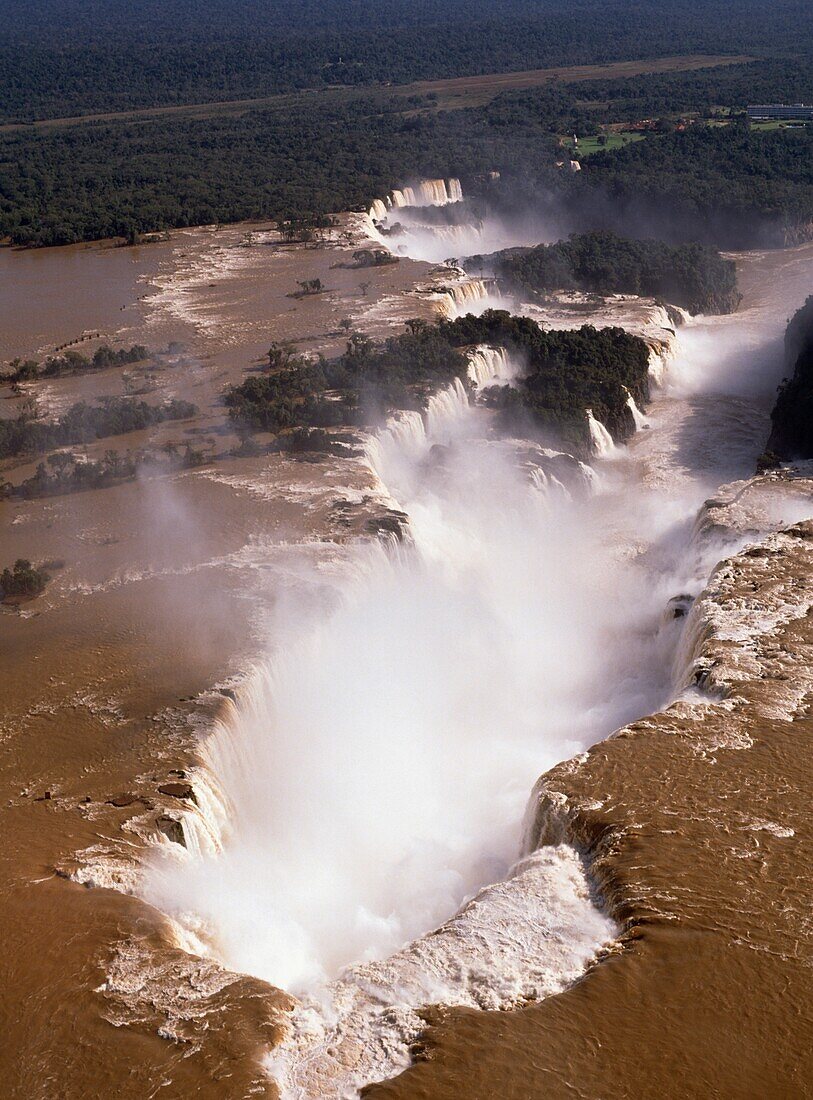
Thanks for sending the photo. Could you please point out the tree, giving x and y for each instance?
(310, 286)
(24, 580)
(59, 462)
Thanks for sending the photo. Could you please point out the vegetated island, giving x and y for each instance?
(792, 417)
(82, 423)
(566, 373)
(23, 582)
(72, 362)
(693, 276)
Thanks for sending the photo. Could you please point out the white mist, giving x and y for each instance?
(379, 769)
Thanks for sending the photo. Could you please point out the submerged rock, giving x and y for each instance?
(179, 790)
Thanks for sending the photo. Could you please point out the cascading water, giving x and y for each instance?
(601, 442)
(638, 417)
(377, 768)
(426, 193)
(374, 773)
(487, 364)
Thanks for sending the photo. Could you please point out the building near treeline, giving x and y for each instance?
(795, 111)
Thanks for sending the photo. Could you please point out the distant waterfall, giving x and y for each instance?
(487, 364)
(427, 193)
(601, 441)
(457, 299)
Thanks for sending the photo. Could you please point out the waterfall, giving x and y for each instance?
(426, 193)
(487, 364)
(473, 290)
(371, 231)
(405, 439)
(601, 442)
(375, 770)
(455, 191)
(456, 300)
(661, 352)
(637, 416)
(547, 483)
(378, 211)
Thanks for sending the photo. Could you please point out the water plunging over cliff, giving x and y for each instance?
(374, 772)
(477, 650)
(426, 193)
(601, 441)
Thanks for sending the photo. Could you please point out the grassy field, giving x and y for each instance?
(588, 145)
(452, 94)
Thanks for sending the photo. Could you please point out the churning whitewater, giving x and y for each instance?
(370, 784)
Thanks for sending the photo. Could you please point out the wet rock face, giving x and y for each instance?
(172, 829)
(390, 522)
(678, 607)
(120, 801)
(792, 417)
(179, 790)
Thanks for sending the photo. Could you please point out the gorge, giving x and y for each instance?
(369, 785)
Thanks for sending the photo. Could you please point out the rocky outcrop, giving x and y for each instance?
(792, 417)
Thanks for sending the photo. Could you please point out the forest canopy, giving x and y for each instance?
(693, 276)
(566, 373)
(87, 56)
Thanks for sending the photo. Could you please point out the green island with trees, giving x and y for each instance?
(72, 362)
(22, 582)
(63, 473)
(567, 373)
(26, 434)
(692, 276)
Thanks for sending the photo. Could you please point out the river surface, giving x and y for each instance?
(359, 838)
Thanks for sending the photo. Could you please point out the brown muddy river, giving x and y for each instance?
(387, 713)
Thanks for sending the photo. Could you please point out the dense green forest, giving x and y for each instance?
(773, 80)
(85, 56)
(728, 185)
(723, 185)
(693, 276)
(583, 107)
(103, 180)
(792, 416)
(320, 153)
(567, 373)
(358, 387)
